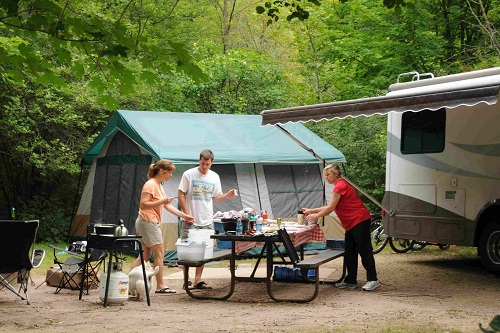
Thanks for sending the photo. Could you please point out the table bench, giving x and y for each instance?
(217, 256)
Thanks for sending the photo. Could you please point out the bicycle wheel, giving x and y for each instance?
(400, 245)
(377, 235)
(417, 245)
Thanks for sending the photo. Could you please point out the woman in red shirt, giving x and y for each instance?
(355, 219)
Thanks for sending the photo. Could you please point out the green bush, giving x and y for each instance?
(54, 219)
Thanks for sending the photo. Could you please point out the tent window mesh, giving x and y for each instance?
(293, 186)
(228, 180)
(118, 182)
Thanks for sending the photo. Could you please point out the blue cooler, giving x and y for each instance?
(338, 244)
(220, 228)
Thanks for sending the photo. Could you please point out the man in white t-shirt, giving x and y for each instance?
(198, 189)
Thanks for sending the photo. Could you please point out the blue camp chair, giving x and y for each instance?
(73, 266)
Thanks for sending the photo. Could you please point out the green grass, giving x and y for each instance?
(455, 251)
(48, 262)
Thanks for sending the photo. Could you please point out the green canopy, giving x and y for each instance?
(234, 138)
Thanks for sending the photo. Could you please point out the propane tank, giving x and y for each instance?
(118, 285)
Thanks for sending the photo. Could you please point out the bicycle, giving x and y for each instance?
(380, 239)
(419, 245)
(400, 245)
(377, 235)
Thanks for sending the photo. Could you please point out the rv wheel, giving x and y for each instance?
(490, 247)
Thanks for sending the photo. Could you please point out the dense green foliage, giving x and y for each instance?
(66, 66)
(362, 140)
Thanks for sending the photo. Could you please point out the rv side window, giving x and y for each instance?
(423, 132)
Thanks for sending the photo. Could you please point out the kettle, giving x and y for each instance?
(121, 230)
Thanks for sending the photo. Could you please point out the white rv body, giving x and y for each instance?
(443, 156)
(449, 196)
(449, 188)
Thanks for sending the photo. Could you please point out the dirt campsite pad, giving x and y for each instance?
(433, 291)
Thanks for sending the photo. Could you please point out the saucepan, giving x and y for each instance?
(105, 229)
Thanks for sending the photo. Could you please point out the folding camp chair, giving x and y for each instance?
(37, 257)
(16, 263)
(72, 268)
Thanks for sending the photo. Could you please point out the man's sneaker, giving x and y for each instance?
(345, 285)
(371, 285)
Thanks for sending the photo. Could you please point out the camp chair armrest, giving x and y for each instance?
(60, 249)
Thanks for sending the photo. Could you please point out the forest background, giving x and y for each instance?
(67, 65)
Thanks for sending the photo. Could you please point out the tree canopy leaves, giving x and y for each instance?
(66, 66)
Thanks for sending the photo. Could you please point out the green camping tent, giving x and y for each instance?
(270, 170)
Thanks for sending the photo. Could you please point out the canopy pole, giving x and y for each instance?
(257, 183)
(73, 212)
(311, 151)
(372, 199)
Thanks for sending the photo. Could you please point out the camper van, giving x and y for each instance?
(443, 168)
(443, 156)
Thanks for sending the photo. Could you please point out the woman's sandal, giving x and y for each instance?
(165, 290)
(202, 285)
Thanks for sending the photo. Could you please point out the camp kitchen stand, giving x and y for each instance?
(114, 244)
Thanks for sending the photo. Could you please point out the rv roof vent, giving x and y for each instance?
(413, 76)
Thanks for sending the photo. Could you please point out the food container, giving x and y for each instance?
(246, 224)
(190, 250)
(105, 229)
(228, 224)
(300, 217)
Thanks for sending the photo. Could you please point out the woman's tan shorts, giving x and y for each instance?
(150, 232)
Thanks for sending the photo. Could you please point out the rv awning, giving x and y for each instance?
(450, 91)
(382, 105)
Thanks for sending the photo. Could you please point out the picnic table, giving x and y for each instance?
(240, 243)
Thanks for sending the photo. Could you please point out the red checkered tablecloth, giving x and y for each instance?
(299, 235)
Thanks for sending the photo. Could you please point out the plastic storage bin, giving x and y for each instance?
(203, 235)
(190, 250)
